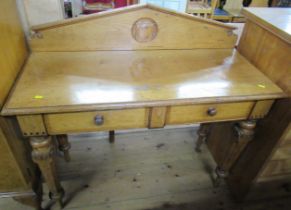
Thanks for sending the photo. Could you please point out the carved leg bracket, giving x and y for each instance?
(42, 155)
(202, 132)
(245, 130)
(64, 146)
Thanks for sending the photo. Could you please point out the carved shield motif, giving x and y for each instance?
(144, 30)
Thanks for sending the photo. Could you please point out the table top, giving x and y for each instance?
(276, 20)
(54, 82)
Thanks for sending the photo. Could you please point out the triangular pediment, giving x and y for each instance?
(135, 27)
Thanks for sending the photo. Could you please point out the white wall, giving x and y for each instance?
(22, 16)
(43, 11)
(76, 7)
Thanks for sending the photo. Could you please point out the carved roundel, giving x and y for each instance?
(144, 30)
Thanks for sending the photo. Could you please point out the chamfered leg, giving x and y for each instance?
(64, 146)
(112, 136)
(244, 131)
(202, 136)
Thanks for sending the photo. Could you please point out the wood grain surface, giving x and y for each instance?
(62, 81)
(13, 47)
(112, 30)
(84, 121)
(225, 111)
(274, 20)
(265, 42)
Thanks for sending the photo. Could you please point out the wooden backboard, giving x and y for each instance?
(141, 27)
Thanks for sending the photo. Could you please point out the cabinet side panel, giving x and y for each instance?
(270, 54)
(13, 49)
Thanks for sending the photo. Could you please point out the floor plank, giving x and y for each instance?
(143, 170)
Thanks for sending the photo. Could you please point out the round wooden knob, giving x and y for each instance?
(211, 111)
(99, 120)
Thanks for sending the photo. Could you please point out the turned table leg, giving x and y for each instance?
(34, 197)
(202, 136)
(112, 136)
(244, 132)
(42, 155)
(64, 146)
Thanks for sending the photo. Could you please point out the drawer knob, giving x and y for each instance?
(211, 111)
(99, 120)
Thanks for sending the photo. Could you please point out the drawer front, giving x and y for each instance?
(208, 112)
(86, 121)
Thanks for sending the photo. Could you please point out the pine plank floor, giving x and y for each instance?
(143, 170)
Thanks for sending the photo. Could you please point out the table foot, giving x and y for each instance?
(58, 198)
(220, 175)
(111, 136)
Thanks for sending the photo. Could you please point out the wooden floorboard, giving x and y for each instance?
(143, 170)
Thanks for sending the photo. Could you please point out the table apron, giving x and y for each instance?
(149, 117)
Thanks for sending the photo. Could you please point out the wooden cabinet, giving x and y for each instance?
(266, 43)
(14, 176)
(17, 172)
